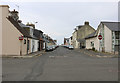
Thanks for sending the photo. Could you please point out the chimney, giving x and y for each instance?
(30, 24)
(86, 23)
(19, 21)
(14, 14)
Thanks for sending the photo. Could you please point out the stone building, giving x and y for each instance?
(80, 33)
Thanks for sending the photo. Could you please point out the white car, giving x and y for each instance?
(70, 47)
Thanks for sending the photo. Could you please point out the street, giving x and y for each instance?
(61, 64)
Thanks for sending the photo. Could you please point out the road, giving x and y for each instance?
(60, 65)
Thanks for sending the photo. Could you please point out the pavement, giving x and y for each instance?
(61, 64)
(39, 53)
(97, 54)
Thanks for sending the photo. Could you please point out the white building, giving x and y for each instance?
(110, 37)
(34, 40)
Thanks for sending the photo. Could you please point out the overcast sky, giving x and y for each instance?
(58, 19)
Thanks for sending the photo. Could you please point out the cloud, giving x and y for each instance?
(59, 19)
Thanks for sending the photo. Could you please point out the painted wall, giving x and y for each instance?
(36, 45)
(0, 31)
(108, 39)
(11, 45)
(74, 40)
(84, 31)
(96, 43)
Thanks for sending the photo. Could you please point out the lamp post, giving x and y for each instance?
(35, 22)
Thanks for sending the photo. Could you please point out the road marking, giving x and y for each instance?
(57, 56)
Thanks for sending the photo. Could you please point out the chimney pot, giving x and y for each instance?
(86, 23)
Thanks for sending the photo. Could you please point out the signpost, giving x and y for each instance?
(21, 38)
(99, 37)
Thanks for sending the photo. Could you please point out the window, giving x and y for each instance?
(24, 41)
(117, 33)
(116, 42)
(92, 44)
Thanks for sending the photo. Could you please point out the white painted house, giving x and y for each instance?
(110, 37)
(34, 40)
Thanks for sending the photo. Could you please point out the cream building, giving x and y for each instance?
(11, 31)
(110, 37)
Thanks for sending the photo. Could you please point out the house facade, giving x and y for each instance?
(80, 33)
(34, 40)
(75, 43)
(11, 32)
(39, 34)
(110, 37)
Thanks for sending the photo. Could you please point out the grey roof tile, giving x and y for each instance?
(114, 26)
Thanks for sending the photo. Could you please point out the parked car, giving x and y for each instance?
(71, 47)
(49, 48)
(53, 47)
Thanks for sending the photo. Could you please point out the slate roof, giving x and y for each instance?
(28, 30)
(91, 35)
(81, 40)
(22, 30)
(22, 25)
(114, 26)
(37, 33)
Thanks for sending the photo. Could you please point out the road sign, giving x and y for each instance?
(100, 37)
(21, 38)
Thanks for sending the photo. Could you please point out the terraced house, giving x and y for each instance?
(110, 32)
(17, 38)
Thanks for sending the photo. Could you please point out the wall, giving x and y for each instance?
(29, 51)
(23, 46)
(10, 39)
(36, 45)
(96, 43)
(108, 39)
(0, 31)
(84, 31)
(74, 40)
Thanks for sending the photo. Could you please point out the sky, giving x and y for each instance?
(59, 18)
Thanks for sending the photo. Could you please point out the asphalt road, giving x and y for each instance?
(60, 65)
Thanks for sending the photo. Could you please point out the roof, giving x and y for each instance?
(114, 26)
(80, 26)
(28, 31)
(22, 25)
(22, 30)
(91, 35)
(81, 40)
(37, 33)
(4, 6)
